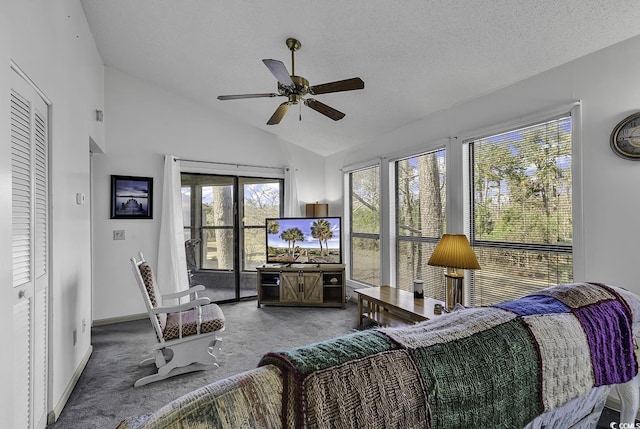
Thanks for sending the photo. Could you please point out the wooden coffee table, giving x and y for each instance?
(390, 306)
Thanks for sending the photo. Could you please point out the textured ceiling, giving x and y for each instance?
(415, 57)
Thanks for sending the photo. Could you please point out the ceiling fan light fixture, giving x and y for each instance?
(294, 98)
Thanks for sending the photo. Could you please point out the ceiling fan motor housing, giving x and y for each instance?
(300, 88)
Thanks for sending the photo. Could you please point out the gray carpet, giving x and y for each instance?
(105, 394)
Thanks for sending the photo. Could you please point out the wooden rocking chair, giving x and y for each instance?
(186, 332)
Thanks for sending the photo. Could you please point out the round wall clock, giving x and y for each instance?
(625, 138)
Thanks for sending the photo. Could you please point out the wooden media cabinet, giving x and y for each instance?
(320, 285)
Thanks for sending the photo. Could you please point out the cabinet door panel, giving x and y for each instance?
(312, 292)
(289, 287)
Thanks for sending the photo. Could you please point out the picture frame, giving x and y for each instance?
(131, 197)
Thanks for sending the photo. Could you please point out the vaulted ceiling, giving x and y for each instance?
(416, 57)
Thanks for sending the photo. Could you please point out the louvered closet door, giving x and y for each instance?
(29, 172)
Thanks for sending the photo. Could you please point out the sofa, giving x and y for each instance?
(547, 360)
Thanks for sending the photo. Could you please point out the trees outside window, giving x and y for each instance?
(520, 214)
(261, 200)
(420, 188)
(364, 240)
(209, 213)
(227, 214)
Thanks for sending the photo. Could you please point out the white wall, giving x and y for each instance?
(144, 122)
(6, 274)
(607, 84)
(56, 50)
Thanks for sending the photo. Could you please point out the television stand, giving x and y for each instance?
(316, 285)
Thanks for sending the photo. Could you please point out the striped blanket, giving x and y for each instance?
(492, 367)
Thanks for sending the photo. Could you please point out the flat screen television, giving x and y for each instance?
(304, 240)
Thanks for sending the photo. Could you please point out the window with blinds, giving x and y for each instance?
(520, 211)
(420, 189)
(364, 216)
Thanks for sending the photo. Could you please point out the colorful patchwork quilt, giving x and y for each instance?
(492, 367)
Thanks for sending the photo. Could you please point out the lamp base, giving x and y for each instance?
(455, 290)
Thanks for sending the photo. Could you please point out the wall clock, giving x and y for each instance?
(625, 138)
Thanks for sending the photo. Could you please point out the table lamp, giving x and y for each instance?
(454, 252)
(317, 210)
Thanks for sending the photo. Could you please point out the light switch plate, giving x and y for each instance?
(118, 234)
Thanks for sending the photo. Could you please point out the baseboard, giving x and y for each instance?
(57, 410)
(120, 319)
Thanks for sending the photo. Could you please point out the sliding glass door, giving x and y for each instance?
(261, 199)
(224, 218)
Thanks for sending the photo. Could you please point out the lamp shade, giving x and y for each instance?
(317, 210)
(454, 251)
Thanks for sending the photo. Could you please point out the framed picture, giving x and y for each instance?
(131, 197)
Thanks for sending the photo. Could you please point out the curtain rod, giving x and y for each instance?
(231, 164)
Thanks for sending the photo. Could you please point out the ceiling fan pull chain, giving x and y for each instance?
(300, 107)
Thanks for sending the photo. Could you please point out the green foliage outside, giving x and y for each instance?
(522, 185)
(210, 209)
(522, 209)
(420, 219)
(522, 197)
(365, 219)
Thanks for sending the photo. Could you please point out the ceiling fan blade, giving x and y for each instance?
(242, 96)
(328, 111)
(279, 71)
(279, 114)
(337, 86)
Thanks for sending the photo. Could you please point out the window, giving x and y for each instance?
(364, 192)
(209, 202)
(225, 215)
(420, 219)
(520, 210)
(261, 200)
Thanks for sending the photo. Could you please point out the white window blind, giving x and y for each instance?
(420, 188)
(364, 211)
(520, 217)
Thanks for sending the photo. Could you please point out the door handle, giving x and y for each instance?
(22, 294)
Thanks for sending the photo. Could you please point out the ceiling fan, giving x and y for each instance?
(296, 87)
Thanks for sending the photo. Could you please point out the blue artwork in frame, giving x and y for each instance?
(131, 197)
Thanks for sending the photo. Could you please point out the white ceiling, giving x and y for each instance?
(416, 57)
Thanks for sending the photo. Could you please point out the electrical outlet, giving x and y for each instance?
(118, 234)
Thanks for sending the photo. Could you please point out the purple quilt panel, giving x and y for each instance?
(610, 339)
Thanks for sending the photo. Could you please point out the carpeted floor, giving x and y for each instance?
(105, 394)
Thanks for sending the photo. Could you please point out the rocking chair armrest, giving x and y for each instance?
(182, 307)
(182, 293)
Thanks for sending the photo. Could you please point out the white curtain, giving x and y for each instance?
(291, 203)
(172, 261)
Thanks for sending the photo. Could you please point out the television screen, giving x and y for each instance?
(308, 240)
